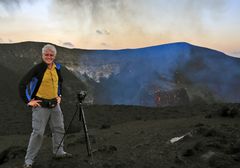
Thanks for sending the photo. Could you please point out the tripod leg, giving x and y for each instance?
(88, 145)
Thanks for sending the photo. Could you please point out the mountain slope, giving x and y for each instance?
(170, 74)
(140, 76)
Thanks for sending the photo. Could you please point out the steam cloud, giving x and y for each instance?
(138, 18)
(102, 32)
(97, 17)
(236, 53)
(68, 44)
(143, 22)
(9, 4)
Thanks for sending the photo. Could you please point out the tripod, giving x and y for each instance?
(82, 118)
(79, 110)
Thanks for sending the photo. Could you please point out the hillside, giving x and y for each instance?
(137, 137)
(190, 86)
(170, 74)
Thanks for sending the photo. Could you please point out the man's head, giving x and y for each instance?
(49, 53)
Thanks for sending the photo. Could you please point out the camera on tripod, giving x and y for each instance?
(81, 95)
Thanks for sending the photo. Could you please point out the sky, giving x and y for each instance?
(120, 24)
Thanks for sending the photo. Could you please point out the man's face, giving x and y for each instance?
(48, 56)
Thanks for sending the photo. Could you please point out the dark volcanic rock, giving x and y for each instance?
(107, 149)
(11, 153)
(105, 126)
(221, 161)
(227, 111)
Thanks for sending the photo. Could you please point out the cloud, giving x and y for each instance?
(235, 53)
(99, 32)
(126, 23)
(13, 4)
(104, 44)
(68, 44)
(97, 13)
(105, 11)
(102, 32)
(98, 20)
(139, 17)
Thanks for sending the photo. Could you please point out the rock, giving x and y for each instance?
(107, 165)
(10, 153)
(82, 140)
(235, 148)
(105, 126)
(219, 160)
(199, 125)
(229, 111)
(208, 155)
(212, 132)
(236, 157)
(108, 149)
(188, 152)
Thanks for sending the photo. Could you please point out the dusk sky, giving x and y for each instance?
(118, 24)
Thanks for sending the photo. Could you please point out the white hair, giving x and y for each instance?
(49, 47)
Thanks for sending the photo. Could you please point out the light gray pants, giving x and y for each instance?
(40, 117)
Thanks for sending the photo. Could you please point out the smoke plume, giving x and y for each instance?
(137, 19)
(13, 4)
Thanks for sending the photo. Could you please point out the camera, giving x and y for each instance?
(81, 95)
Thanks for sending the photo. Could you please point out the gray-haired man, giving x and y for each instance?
(41, 89)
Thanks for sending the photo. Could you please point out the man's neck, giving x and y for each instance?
(50, 66)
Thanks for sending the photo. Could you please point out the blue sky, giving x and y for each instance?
(116, 24)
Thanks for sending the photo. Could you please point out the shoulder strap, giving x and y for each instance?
(58, 66)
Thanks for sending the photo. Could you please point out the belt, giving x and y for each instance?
(47, 103)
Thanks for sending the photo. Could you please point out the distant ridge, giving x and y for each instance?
(139, 76)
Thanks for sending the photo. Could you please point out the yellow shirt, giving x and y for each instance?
(49, 86)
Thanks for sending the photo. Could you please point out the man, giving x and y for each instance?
(41, 89)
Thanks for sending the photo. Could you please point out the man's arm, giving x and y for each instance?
(24, 82)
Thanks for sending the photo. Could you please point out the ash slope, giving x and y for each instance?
(142, 140)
